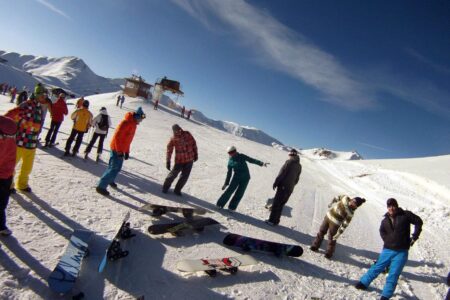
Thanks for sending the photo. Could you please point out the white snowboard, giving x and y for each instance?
(197, 265)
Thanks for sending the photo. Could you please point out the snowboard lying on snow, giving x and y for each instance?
(211, 266)
(159, 210)
(177, 228)
(252, 244)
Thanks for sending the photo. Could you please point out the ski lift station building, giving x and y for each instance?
(136, 87)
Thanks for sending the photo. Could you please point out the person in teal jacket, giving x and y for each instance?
(241, 177)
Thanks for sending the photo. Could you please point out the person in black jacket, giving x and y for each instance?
(284, 184)
(396, 234)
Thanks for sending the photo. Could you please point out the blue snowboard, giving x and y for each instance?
(63, 277)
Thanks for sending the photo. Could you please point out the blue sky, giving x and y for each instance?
(371, 76)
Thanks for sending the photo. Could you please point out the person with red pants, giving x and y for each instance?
(59, 109)
(120, 149)
(8, 129)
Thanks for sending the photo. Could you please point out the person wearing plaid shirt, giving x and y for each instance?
(185, 156)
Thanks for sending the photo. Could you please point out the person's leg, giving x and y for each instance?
(332, 230)
(185, 172)
(27, 167)
(77, 146)
(114, 167)
(5, 190)
(280, 199)
(398, 261)
(238, 195)
(100, 143)
(227, 194)
(72, 135)
(171, 177)
(321, 234)
(49, 133)
(383, 261)
(91, 143)
(55, 132)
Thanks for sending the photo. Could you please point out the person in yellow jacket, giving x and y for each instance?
(82, 119)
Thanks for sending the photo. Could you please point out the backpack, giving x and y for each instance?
(103, 124)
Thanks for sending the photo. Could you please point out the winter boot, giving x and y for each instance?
(113, 185)
(26, 190)
(104, 192)
(314, 249)
(360, 286)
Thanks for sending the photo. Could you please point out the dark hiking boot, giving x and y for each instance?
(104, 192)
(314, 249)
(113, 185)
(360, 286)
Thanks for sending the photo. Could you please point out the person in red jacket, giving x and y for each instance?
(8, 129)
(120, 149)
(185, 155)
(59, 109)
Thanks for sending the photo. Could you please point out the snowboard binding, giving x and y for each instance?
(115, 252)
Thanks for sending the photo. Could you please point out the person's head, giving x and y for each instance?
(293, 152)
(139, 115)
(176, 128)
(231, 150)
(392, 206)
(103, 110)
(41, 97)
(356, 202)
(62, 95)
(86, 104)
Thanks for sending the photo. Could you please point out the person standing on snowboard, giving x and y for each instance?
(237, 163)
(284, 184)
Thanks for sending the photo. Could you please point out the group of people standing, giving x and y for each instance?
(20, 128)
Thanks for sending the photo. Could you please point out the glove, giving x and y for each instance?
(168, 165)
(274, 186)
(412, 242)
(224, 186)
(126, 156)
(266, 164)
(196, 158)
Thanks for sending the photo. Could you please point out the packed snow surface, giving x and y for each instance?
(64, 199)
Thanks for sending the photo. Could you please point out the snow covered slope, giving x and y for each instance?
(70, 73)
(64, 198)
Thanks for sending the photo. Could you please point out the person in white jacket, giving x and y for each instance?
(101, 123)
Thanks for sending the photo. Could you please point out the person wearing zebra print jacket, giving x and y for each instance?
(338, 217)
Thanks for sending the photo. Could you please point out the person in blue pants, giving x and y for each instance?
(241, 177)
(395, 232)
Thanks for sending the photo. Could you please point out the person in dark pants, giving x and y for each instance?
(82, 121)
(186, 154)
(59, 109)
(8, 148)
(338, 217)
(237, 163)
(284, 184)
(395, 230)
(101, 123)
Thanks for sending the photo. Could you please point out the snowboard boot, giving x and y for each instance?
(67, 153)
(113, 185)
(178, 193)
(314, 249)
(102, 191)
(328, 255)
(360, 286)
(270, 223)
(26, 190)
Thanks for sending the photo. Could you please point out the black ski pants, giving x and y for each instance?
(50, 138)
(281, 198)
(93, 140)
(185, 170)
(79, 136)
(5, 191)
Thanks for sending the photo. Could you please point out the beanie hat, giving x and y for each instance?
(103, 109)
(359, 201)
(231, 149)
(176, 127)
(139, 113)
(293, 152)
(391, 202)
(39, 89)
(86, 103)
(7, 126)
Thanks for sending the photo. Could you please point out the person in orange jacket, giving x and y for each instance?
(8, 129)
(120, 149)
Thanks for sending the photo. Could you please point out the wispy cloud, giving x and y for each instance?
(285, 50)
(427, 61)
(53, 8)
(374, 147)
